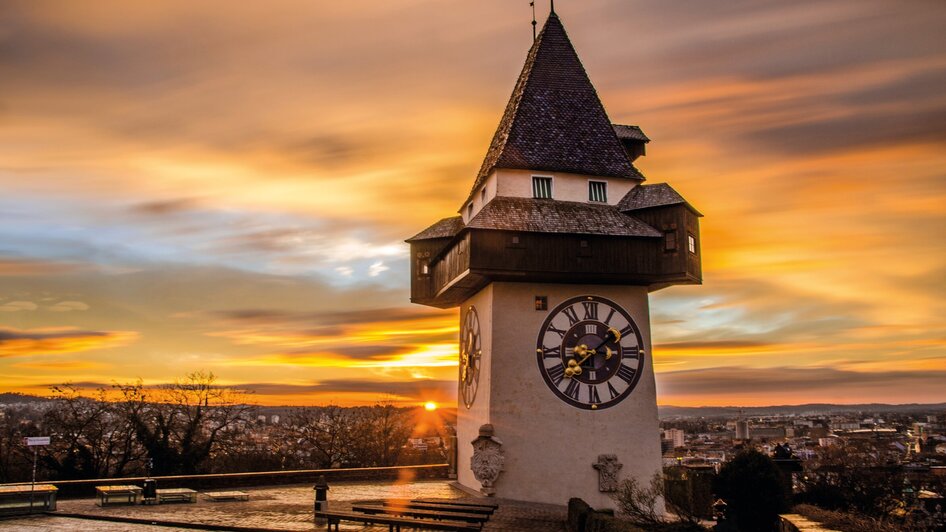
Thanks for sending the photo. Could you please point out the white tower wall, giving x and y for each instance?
(550, 446)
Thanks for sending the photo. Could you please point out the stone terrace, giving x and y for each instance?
(284, 508)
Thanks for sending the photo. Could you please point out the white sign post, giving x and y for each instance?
(35, 442)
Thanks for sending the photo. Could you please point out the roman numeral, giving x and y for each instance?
(591, 328)
(556, 373)
(553, 329)
(572, 389)
(626, 374)
(593, 394)
(625, 332)
(591, 310)
(614, 393)
(553, 352)
(633, 351)
(607, 321)
(572, 316)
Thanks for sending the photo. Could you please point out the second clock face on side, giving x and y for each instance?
(470, 355)
(590, 352)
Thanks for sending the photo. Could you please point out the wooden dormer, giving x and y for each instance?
(633, 139)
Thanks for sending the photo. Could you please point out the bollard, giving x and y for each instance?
(321, 496)
(149, 491)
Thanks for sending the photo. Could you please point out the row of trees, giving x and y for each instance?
(193, 426)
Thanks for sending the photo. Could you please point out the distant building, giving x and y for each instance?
(676, 436)
(742, 429)
(768, 433)
(666, 446)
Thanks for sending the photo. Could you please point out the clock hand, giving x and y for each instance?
(612, 333)
(574, 366)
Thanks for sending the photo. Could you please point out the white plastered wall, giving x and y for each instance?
(470, 420)
(565, 187)
(550, 446)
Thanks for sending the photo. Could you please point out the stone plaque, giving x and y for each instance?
(608, 468)
(487, 460)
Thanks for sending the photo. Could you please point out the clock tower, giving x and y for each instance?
(550, 262)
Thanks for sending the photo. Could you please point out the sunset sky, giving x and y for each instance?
(227, 186)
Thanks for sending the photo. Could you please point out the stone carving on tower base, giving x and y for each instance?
(487, 460)
(608, 468)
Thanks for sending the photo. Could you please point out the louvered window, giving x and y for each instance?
(598, 191)
(541, 187)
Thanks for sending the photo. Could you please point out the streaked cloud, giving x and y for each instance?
(734, 385)
(50, 341)
(18, 306)
(68, 306)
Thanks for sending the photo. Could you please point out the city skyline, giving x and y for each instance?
(198, 188)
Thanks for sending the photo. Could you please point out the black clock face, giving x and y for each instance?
(590, 352)
(470, 355)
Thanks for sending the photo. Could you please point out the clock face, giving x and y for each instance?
(590, 352)
(470, 355)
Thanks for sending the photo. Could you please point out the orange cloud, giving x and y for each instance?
(50, 341)
(20, 267)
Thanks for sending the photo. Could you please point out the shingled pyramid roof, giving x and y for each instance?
(554, 120)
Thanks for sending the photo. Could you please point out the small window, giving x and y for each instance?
(469, 210)
(670, 240)
(584, 248)
(691, 243)
(541, 187)
(598, 191)
(423, 267)
(515, 241)
(483, 195)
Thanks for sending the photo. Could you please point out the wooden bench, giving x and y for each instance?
(218, 496)
(456, 502)
(421, 514)
(176, 495)
(440, 507)
(394, 523)
(117, 495)
(24, 499)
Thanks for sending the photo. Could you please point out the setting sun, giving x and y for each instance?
(430, 406)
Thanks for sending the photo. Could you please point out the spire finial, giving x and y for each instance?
(533, 18)
(553, 6)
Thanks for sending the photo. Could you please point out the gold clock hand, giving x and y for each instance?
(574, 365)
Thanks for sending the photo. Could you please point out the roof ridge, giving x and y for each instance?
(511, 213)
(501, 135)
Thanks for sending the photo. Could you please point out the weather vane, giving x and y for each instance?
(532, 5)
(533, 19)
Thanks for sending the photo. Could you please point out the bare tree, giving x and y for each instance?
(322, 436)
(379, 434)
(89, 437)
(15, 460)
(638, 503)
(180, 425)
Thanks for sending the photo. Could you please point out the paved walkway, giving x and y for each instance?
(284, 508)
